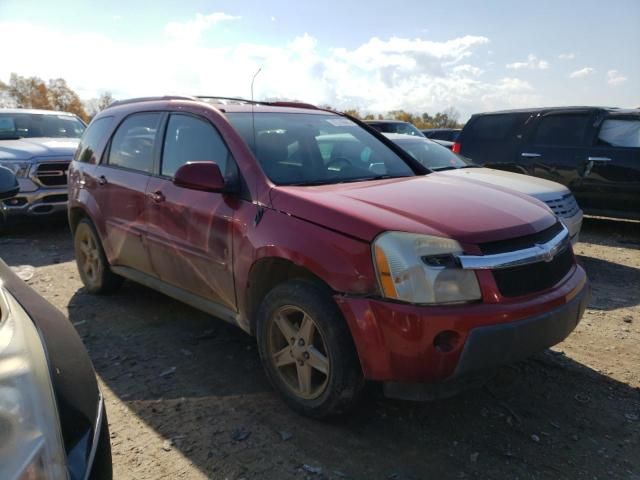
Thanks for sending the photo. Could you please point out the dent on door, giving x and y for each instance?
(190, 240)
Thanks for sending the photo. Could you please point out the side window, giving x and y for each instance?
(191, 139)
(495, 127)
(91, 138)
(618, 132)
(561, 130)
(132, 144)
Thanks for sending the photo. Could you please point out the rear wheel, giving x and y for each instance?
(307, 349)
(93, 266)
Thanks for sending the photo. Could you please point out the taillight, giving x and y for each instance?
(456, 147)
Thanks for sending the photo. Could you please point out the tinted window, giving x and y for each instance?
(448, 135)
(29, 125)
(397, 127)
(301, 148)
(132, 144)
(92, 136)
(561, 130)
(191, 139)
(432, 155)
(618, 132)
(494, 127)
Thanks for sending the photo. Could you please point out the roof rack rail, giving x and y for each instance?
(229, 99)
(127, 101)
(276, 103)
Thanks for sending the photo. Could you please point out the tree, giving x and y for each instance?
(354, 112)
(96, 105)
(32, 92)
(62, 98)
(6, 100)
(105, 100)
(28, 92)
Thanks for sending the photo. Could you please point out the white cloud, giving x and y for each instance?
(567, 56)
(378, 75)
(470, 69)
(615, 78)
(273, 19)
(191, 30)
(583, 72)
(532, 63)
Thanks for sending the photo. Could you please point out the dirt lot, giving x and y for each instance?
(187, 398)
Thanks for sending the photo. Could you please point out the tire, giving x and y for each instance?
(333, 380)
(93, 266)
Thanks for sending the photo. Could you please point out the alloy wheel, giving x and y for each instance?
(89, 261)
(298, 352)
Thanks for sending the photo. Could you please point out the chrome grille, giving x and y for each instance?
(52, 174)
(564, 207)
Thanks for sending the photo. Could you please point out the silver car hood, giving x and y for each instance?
(28, 148)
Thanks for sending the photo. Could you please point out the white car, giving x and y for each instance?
(439, 159)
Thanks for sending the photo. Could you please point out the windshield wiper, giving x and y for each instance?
(15, 137)
(442, 169)
(368, 179)
(337, 181)
(310, 183)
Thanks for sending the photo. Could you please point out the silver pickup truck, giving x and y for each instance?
(37, 145)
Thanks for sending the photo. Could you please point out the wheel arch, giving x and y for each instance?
(268, 272)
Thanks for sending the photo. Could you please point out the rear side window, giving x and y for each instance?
(191, 139)
(132, 144)
(495, 127)
(91, 139)
(617, 132)
(561, 130)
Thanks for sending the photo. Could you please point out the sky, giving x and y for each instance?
(420, 56)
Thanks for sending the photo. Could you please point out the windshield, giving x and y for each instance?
(397, 127)
(431, 155)
(28, 125)
(308, 149)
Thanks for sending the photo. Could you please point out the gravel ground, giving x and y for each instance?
(187, 398)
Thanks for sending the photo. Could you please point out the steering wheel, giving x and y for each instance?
(337, 161)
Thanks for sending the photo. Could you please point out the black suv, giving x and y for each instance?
(446, 134)
(594, 151)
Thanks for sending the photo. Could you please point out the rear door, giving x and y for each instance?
(121, 185)
(190, 231)
(612, 178)
(555, 147)
(492, 140)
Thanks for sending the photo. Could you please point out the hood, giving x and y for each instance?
(539, 188)
(470, 212)
(28, 148)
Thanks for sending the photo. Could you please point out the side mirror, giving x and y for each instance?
(9, 186)
(204, 176)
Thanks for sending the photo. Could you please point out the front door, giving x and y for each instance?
(555, 148)
(121, 185)
(612, 179)
(189, 231)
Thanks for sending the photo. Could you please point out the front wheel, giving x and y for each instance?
(92, 262)
(307, 349)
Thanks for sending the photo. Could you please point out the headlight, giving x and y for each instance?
(422, 269)
(20, 169)
(30, 438)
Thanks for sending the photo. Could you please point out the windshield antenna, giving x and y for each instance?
(253, 119)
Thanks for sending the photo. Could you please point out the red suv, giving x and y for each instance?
(346, 258)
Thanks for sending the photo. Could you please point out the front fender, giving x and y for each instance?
(343, 263)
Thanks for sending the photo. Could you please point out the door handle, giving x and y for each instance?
(530, 155)
(102, 180)
(157, 196)
(599, 159)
